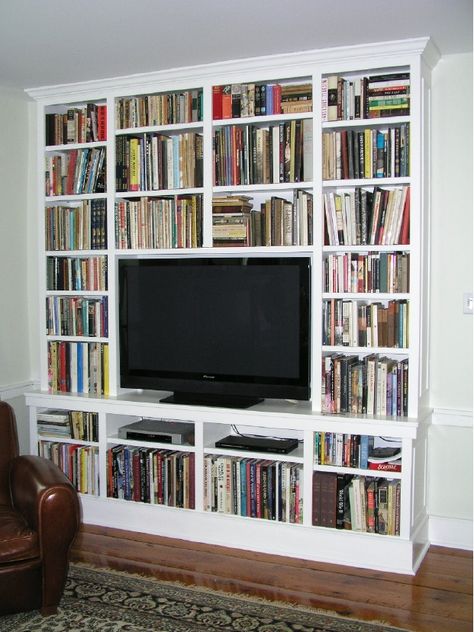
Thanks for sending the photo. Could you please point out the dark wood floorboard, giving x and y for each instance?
(437, 599)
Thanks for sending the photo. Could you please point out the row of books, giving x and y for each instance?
(250, 154)
(278, 221)
(148, 475)
(153, 162)
(367, 272)
(78, 367)
(84, 124)
(355, 451)
(82, 227)
(239, 100)
(286, 223)
(77, 316)
(150, 110)
(254, 488)
(351, 323)
(366, 153)
(360, 217)
(374, 96)
(358, 503)
(174, 222)
(77, 273)
(69, 424)
(75, 172)
(79, 463)
(372, 385)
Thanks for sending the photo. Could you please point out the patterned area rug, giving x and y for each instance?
(107, 601)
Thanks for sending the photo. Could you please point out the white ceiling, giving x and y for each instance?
(46, 42)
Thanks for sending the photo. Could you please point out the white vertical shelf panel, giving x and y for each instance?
(308, 460)
(41, 271)
(111, 250)
(199, 465)
(208, 166)
(102, 431)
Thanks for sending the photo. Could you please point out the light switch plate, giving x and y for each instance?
(468, 302)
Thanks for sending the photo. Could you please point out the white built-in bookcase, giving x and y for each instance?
(398, 553)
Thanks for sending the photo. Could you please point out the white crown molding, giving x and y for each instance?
(279, 65)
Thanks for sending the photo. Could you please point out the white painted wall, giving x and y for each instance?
(18, 298)
(452, 232)
(450, 490)
(450, 443)
(14, 142)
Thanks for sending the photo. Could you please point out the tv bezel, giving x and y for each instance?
(229, 391)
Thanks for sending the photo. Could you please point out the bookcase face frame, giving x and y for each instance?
(314, 68)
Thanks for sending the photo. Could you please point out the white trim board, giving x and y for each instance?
(10, 391)
(452, 417)
(451, 532)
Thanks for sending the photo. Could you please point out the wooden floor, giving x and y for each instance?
(437, 599)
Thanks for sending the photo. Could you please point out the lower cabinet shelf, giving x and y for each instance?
(150, 475)
(254, 488)
(309, 503)
(80, 463)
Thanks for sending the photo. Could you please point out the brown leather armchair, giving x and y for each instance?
(39, 518)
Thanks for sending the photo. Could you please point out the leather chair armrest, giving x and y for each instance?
(43, 494)
(39, 490)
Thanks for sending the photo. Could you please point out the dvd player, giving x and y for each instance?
(160, 431)
(258, 444)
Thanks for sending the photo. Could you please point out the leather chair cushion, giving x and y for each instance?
(17, 541)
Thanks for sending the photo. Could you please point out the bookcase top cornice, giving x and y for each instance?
(303, 62)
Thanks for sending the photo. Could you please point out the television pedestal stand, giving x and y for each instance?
(221, 401)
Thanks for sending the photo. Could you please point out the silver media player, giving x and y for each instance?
(160, 431)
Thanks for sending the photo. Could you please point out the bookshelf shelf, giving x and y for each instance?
(76, 293)
(116, 440)
(130, 128)
(266, 188)
(361, 296)
(384, 122)
(354, 471)
(366, 182)
(289, 458)
(262, 120)
(160, 193)
(363, 248)
(75, 197)
(171, 128)
(74, 146)
(405, 351)
(76, 253)
(77, 338)
(53, 439)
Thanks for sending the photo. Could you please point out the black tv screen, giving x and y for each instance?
(216, 331)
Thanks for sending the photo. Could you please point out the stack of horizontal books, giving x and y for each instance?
(55, 423)
(231, 221)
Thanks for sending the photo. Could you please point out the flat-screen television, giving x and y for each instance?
(216, 331)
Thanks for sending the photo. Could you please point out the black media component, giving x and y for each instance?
(216, 331)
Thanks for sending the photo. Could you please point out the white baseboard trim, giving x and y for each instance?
(454, 533)
(444, 530)
(10, 391)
